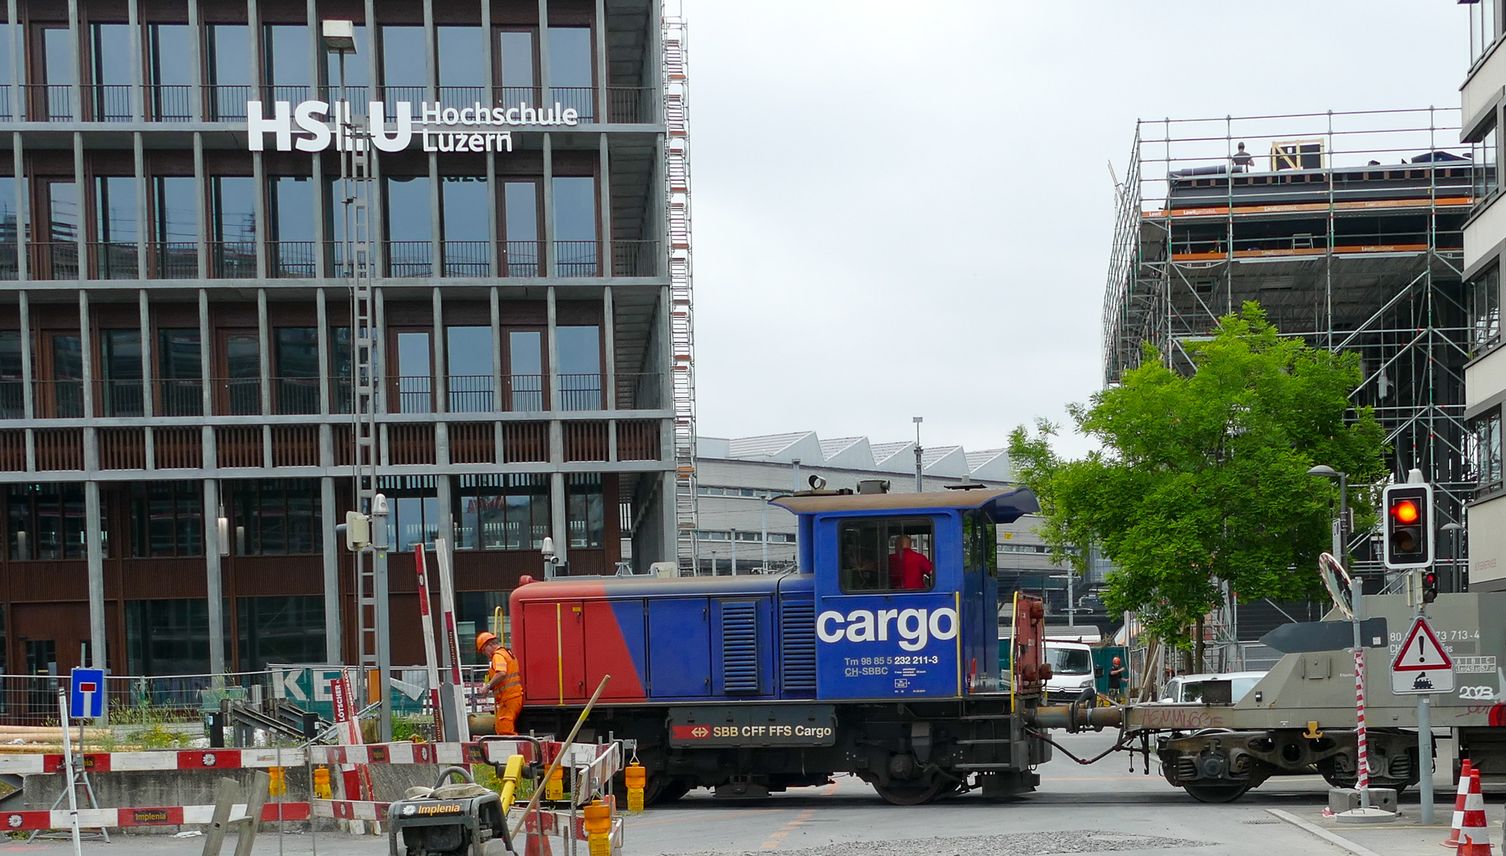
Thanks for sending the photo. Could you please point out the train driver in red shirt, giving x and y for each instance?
(908, 569)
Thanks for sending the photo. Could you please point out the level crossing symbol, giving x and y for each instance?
(86, 693)
(1421, 664)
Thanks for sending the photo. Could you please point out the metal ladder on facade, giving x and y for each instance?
(682, 343)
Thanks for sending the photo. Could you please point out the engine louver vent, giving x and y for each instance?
(740, 648)
(797, 631)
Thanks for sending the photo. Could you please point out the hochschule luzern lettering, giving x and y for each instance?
(475, 128)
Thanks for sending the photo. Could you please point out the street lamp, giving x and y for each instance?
(1458, 583)
(920, 486)
(1327, 472)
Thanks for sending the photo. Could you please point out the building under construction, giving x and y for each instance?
(1346, 227)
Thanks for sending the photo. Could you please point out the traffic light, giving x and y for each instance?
(1409, 526)
(1429, 586)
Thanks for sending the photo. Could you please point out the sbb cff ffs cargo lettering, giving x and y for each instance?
(760, 683)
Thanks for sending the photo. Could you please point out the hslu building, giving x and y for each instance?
(176, 322)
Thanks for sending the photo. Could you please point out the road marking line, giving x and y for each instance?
(777, 837)
(1314, 829)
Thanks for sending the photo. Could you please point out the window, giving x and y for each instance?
(570, 65)
(167, 519)
(461, 78)
(58, 74)
(9, 255)
(60, 259)
(67, 375)
(285, 63)
(414, 372)
(1487, 451)
(232, 219)
(885, 554)
(1485, 155)
(276, 517)
(575, 225)
(580, 367)
(584, 510)
(120, 362)
(169, 76)
(469, 359)
(1483, 19)
(412, 511)
(175, 226)
(980, 539)
(290, 212)
(404, 57)
(518, 61)
(46, 522)
(520, 253)
(279, 630)
(1485, 310)
(409, 230)
(525, 367)
(114, 227)
(12, 389)
(465, 226)
(502, 512)
(229, 67)
(167, 637)
(242, 386)
(296, 350)
(180, 374)
(110, 64)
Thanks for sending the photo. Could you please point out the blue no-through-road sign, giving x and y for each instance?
(86, 693)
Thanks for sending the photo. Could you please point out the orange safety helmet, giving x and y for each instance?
(1116, 661)
(482, 639)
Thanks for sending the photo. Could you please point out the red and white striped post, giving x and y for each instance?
(1362, 779)
(431, 659)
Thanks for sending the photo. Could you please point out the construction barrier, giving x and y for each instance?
(120, 818)
(155, 760)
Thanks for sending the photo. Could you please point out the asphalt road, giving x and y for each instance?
(1104, 808)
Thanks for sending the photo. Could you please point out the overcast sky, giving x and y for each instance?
(904, 209)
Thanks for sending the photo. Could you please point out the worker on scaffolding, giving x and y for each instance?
(1242, 159)
(502, 681)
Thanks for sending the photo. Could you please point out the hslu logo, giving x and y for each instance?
(310, 119)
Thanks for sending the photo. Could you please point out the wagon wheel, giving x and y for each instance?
(910, 792)
(1221, 793)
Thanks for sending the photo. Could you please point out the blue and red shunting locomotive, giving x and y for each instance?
(857, 663)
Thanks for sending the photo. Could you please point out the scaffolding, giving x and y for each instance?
(1346, 227)
(682, 342)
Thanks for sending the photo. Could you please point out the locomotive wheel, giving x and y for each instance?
(910, 792)
(1215, 793)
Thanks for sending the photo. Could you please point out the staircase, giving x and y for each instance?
(682, 343)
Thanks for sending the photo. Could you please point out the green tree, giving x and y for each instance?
(1201, 479)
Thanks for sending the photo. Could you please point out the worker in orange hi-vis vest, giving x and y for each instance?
(502, 681)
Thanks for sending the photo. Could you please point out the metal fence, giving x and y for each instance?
(133, 699)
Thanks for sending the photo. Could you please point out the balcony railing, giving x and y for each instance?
(179, 396)
(359, 96)
(169, 102)
(632, 105)
(517, 96)
(175, 259)
(49, 102)
(12, 398)
(109, 102)
(232, 259)
(580, 392)
(524, 392)
(582, 98)
(237, 396)
(59, 399)
(639, 391)
(575, 258)
(289, 92)
(54, 260)
(293, 396)
(470, 394)
(410, 258)
(120, 397)
(10, 261)
(522, 258)
(464, 96)
(291, 260)
(5, 103)
(466, 258)
(391, 95)
(113, 260)
(635, 258)
(227, 102)
(415, 394)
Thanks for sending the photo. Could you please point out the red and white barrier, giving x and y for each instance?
(351, 809)
(158, 760)
(114, 818)
(481, 752)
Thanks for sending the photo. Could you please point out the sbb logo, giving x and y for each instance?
(913, 627)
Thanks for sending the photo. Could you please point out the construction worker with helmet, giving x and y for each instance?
(502, 681)
(1116, 679)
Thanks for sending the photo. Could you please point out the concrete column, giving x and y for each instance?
(431, 49)
(604, 207)
(321, 317)
(95, 551)
(264, 347)
(76, 91)
(557, 522)
(445, 496)
(144, 318)
(203, 204)
(28, 390)
(206, 365)
(440, 382)
(331, 517)
(609, 351)
(378, 351)
(548, 97)
(144, 226)
(23, 204)
(214, 589)
(498, 390)
(196, 62)
(667, 517)
(599, 79)
(86, 347)
(548, 192)
(81, 237)
(138, 89)
(551, 347)
(259, 212)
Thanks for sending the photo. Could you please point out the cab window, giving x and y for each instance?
(887, 554)
(980, 535)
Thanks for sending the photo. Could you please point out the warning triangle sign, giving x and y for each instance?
(1421, 652)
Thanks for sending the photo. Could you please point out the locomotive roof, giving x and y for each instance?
(1004, 505)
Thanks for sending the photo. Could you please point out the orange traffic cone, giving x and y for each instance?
(1474, 836)
(1459, 799)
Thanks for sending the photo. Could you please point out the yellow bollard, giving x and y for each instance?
(277, 782)
(599, 828)
(636, 778)
(510, 776)
(554, 789)
(321, 784)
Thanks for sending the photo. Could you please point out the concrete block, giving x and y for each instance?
(1345, 799)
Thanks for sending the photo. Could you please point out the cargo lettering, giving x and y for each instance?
(914, 627)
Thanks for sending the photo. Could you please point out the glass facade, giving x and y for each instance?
(502, 512)
(279, 630)
(180, 372)
(297, 369)
(575, 225)
(115, 227)
(275, 517)
(167, 519)
(228, 65)
(46, 521)
(167, 637)
(468, 352)
(120, 370)
(110, 68)
(169, 73)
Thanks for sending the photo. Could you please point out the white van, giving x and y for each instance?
(1188, 689)
(1071, 670)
